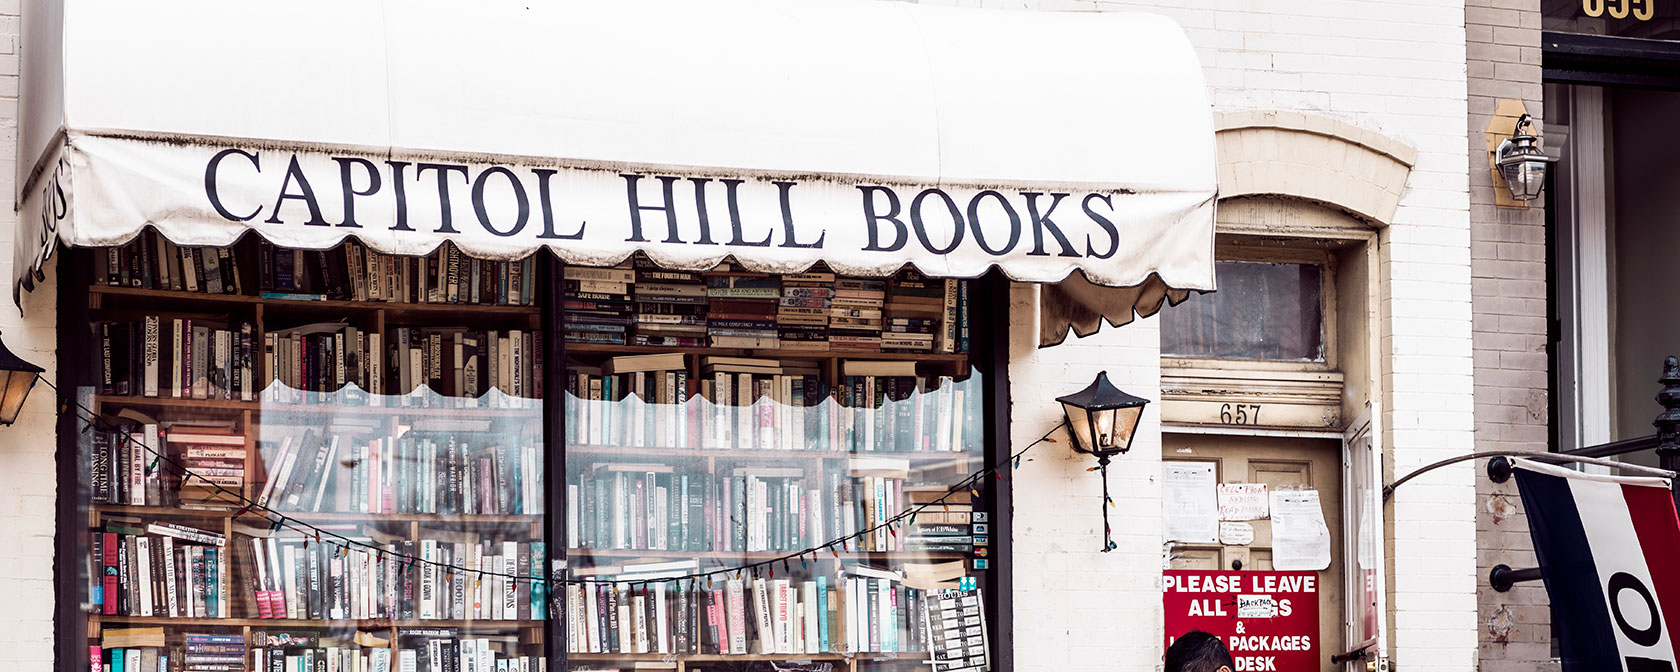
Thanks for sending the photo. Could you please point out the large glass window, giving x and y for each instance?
(313, 460)
(812, 415)
(335, 460)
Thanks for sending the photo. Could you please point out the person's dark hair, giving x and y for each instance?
(1197, 651)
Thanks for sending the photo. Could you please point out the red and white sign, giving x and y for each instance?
(1269, 620)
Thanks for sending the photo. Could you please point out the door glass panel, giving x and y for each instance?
(1266, 311)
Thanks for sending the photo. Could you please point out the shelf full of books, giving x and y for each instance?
(686, 462)
(335, 460)
(310, 460)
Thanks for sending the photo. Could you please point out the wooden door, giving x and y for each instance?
(1280, 463)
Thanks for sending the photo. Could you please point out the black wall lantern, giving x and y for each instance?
(1521, 162)
(1103, 420)
(17, 378)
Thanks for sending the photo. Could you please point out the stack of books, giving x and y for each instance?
(803, 314)
(670, 307)
(914, 310)
(944, 526)
(856, 316)
(597, 307)
(211, 652)
(741, 310)
(216, 462)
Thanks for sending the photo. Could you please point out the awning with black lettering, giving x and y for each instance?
(862, 134)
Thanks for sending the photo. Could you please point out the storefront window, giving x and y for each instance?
(788, 457)
(319, 460)
(1262, 311)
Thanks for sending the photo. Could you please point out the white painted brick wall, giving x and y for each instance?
(27, 472)
(1395, 67)
(1078, 609)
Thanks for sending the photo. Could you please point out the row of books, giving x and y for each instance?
(768, 404)
(315, 361)
(352, 272)
(181, 357)
(158, 569)
(151, 261)
(303, 578)
(859, 609)
(125, 467)
(147, 650)
(349, 272)
(638, 303)
(429, 472)
(623, 506)
(417, 650)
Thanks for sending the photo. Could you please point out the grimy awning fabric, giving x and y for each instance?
(863, 134)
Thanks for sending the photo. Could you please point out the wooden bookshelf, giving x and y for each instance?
(543, 419)
(262, 422)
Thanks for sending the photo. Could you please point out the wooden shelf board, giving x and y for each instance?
(768, 353)
(324, 516)
(365, 623)
(915, 656)
(639, 452)
(576, 553)
(200, 300)
(329, 409)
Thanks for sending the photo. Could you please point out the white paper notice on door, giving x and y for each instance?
(1190, 502)
(1300, 539)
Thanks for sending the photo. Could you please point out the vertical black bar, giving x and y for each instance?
(1554, 322)
(554, 450)
(69, 622)
(1668, 422)
(989, 354)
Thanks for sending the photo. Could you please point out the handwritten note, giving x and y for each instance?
(1243, 501)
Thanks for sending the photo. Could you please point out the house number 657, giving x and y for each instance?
(1239, 414)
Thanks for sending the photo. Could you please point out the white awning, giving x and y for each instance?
(864, 134)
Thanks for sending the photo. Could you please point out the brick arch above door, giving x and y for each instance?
(1331, 162)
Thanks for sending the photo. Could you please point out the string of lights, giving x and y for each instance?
(279, 520)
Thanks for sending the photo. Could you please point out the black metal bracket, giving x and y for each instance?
(1502, 577)
(1499, 469)
(1351, 656)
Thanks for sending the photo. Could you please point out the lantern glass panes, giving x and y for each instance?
(1101, 418)
(17, 377)
(1522, 164)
